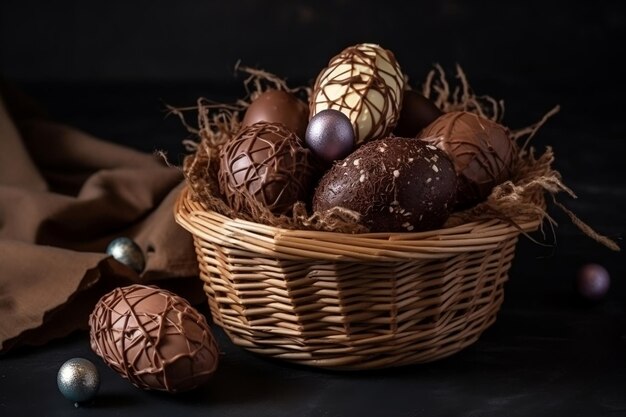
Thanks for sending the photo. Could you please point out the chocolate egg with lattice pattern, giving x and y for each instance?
(365, 83)
(153, 338)
(265, 166)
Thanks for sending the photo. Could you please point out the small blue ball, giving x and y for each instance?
(330, 135)
(78, 380)
(127, 252)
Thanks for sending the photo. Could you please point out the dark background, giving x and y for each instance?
(109, 67)
(545, 43)
(76, 56)
(532, 53)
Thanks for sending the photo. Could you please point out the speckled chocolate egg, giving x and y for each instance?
(396, 184)
(153, 338)
(277, 106)
(330, 135)
(265, 166)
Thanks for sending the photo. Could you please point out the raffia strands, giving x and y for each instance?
(218, 123)
(460, 97)
(317, 289)
(518, 198)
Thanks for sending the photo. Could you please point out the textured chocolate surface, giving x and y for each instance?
(265, 165)
(397, 184)
(365, 83)
(153, 338)
(277, 106)
(417, 112)
(482, 152)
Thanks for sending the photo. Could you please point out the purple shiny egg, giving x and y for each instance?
(330, 135)
(593, 281)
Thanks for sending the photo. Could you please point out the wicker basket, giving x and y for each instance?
(351, 301)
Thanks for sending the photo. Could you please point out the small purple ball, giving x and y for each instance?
(330, 135)
(593, 281)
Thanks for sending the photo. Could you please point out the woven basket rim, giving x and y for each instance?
(312, 244)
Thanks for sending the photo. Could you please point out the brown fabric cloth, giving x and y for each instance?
(64, 195)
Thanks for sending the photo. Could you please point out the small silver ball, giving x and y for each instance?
(127, 252)
(330, 135)
(78, 380)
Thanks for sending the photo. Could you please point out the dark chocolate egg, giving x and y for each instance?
(265, 165)
(483, 153)
(396, 184)
(153, 338)
(416, 113)
(330, 135)
(277, 106)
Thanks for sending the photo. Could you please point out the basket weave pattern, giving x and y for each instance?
(351, 301)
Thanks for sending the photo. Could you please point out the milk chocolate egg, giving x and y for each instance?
(153, 338)
(365, 83)
(277, 106)
(482, 152)
(265, 165)
(396, 184)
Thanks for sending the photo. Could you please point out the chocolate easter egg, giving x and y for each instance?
(330, 135)
(265, 165)
(365, 83)
(417, 112)
(482, 151)
(396, 184)
(277, 106)
(153, 338)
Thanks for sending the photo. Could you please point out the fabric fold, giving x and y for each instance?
(64, 195)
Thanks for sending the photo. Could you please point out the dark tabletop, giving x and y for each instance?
(548, 354)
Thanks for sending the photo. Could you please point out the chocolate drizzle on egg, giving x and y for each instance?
(482, 152)
(153, 338)
(365, 83)
(265, 167)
